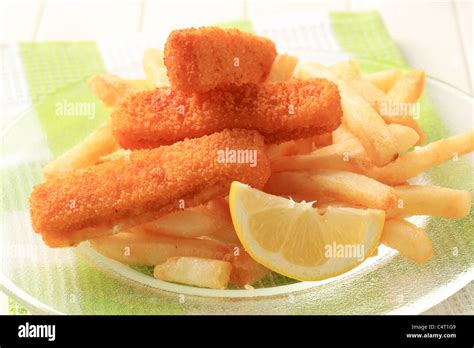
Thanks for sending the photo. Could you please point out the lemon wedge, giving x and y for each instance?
(296, 240)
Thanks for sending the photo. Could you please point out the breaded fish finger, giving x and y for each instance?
(89, 202)
(279, 111)
(198, 60)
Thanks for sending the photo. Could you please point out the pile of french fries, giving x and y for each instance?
(369, 159)
(365, 163)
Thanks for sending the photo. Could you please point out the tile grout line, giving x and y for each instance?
(38, 20)
(463, 49)
(141, 15)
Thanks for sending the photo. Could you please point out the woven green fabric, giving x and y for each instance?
(56, 73)
(15, 309)
(365, 36)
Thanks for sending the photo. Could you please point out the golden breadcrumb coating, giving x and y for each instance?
(279, 111)
(128, 191)
(198, 60)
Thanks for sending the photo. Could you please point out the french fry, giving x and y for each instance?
(323, 206)
(88, 152)
(382, 103)
(154, 67)
(377, 140)
(206, 273)
(408, 87)
(383, 80)
(108, 88)
(189, 223)
(298, 146)
(341, 134)
(345, 187)
(406, 137)
(282, 68)
(154, 249)
(226, 235)
(304, 146)
(284, 149)
(324, 139)
(346, 70)
(371, 94)
(412, 163)
(411, 241)
(349, 72)
(245, 271)
(112, 89)
(408, 121)
(219, 208)
(430, 200)
(346, 155)
(117, 154)
(210, 220)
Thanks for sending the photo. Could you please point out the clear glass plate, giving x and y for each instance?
(80, 281)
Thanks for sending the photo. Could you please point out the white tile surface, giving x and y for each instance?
(14, 93)
(464, 12)
(162, 16)
(269, 8)
(88, 20)
(19, 19)
(427, 34)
